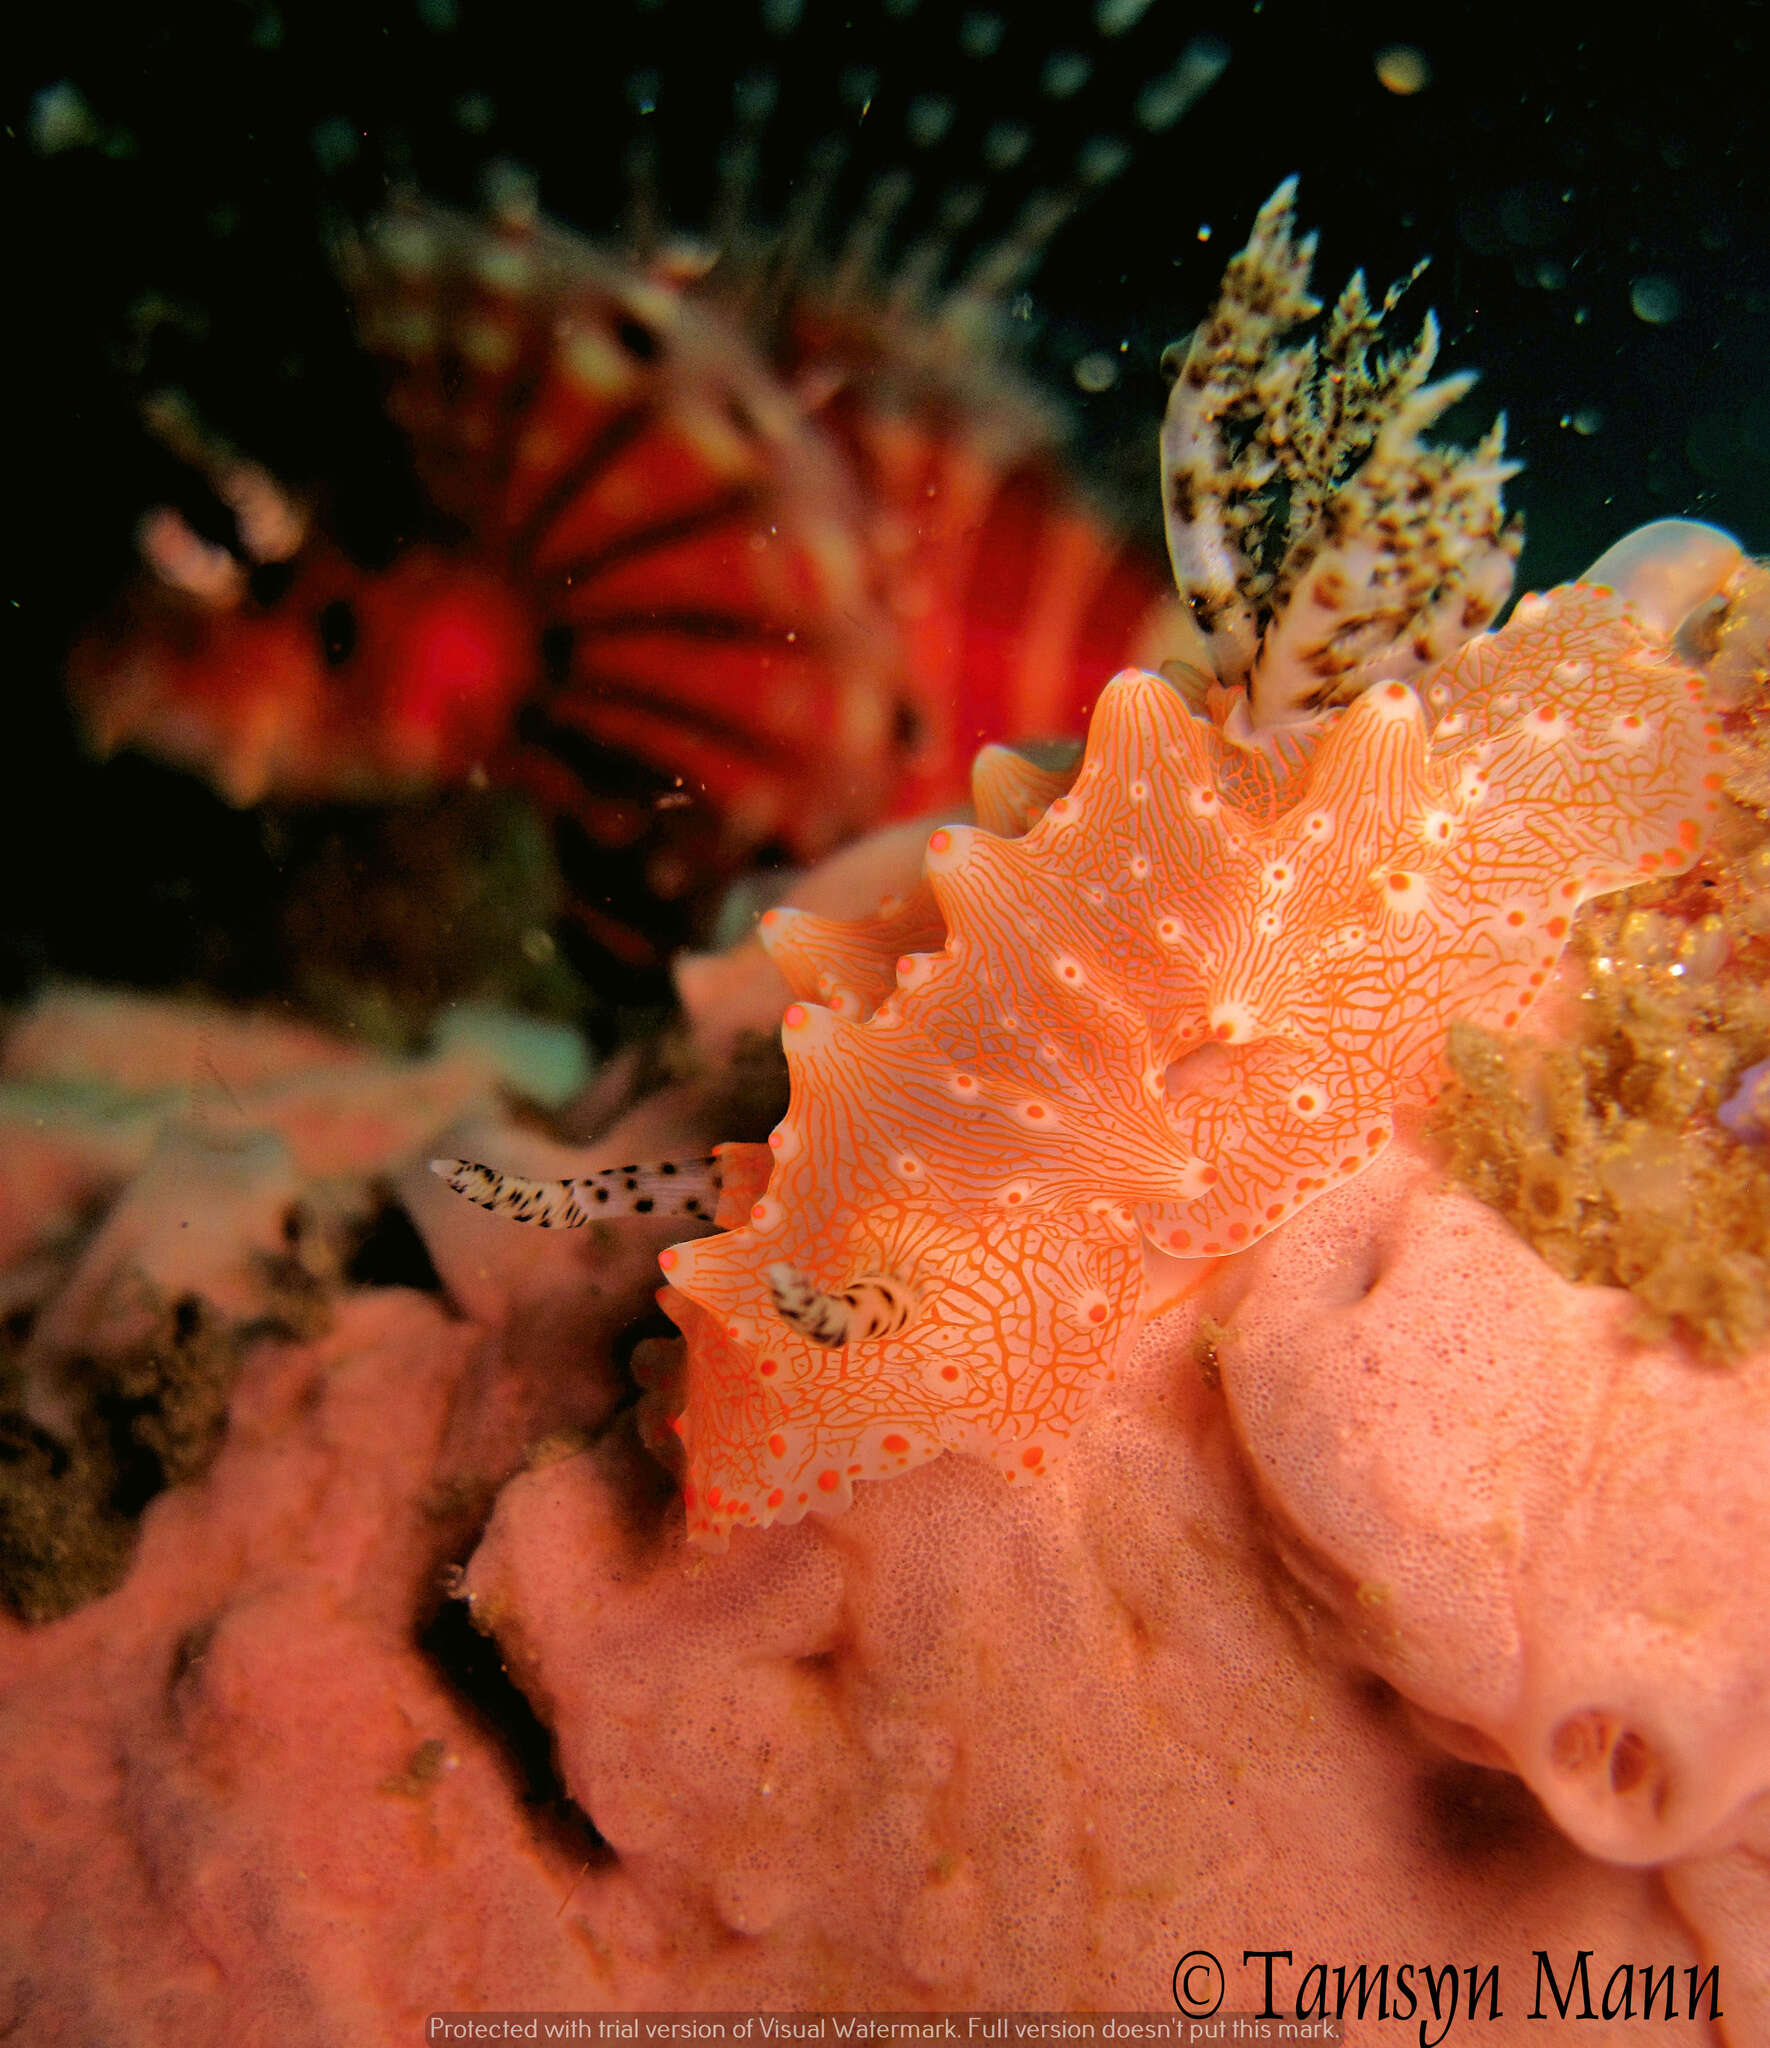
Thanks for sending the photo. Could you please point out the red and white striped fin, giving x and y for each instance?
(690, 547)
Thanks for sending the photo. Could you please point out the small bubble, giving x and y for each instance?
(1550, 275)
(1655, 299)
(980, 35)
(1097, 371)
(1587, 420)
(1403, 70)
(1065, 73)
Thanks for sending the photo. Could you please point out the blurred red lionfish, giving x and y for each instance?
(738, 547)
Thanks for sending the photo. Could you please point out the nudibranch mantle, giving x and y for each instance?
(1167, 1013)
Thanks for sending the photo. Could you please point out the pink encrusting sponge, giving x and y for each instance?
(1160, 1015)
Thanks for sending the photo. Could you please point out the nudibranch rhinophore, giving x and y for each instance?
(1173, 997)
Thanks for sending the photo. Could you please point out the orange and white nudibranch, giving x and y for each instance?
(1227, 949)
(1289, 975)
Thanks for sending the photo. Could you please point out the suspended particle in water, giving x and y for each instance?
(1655, 299)
(1403, 70)
(61, 119)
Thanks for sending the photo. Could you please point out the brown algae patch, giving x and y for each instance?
(150, 1416)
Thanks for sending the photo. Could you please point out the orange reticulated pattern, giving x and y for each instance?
(850, 965)
(1158, 1014)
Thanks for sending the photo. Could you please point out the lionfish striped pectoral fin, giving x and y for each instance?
(687, 1187)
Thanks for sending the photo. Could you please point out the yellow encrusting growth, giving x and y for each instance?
(1637, 1154)
(1580, 1149)
(1161, 1016)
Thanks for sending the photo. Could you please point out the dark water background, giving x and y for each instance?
(1565, 174)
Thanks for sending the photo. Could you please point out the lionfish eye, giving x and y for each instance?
(637, 339)
(337, 630)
